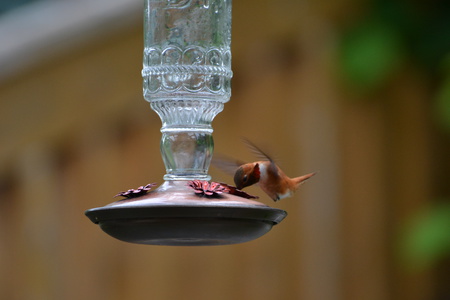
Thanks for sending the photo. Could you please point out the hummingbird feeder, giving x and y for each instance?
(186, 78)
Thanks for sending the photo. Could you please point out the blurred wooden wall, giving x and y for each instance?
(75, 130)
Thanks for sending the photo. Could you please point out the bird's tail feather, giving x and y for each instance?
(301, 179)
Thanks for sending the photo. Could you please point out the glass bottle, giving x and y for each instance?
(186, 78)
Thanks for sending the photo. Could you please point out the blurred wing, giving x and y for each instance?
(262, 155)
(255, 150)
(226, 164)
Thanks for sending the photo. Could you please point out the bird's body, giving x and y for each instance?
(270, 178)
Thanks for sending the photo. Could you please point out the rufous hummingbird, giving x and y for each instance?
(270, 178)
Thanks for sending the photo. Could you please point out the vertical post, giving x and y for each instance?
(186, 78)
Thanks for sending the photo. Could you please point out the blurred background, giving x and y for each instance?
(357, 90)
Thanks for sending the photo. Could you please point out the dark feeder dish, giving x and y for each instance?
(174, 215)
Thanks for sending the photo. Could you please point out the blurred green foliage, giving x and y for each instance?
(391, 34)
(426, 239)
(370, 53)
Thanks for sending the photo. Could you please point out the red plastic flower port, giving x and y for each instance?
(206, 188)
(211, 189)
(132, 193)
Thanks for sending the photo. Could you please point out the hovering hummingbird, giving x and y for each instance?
(266, 173)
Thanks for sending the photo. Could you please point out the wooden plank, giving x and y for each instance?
(37, 224)
(364, 196)
(90, 260)
(316, 134)
(410, 178)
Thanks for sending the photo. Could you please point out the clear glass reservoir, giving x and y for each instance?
(186, 78)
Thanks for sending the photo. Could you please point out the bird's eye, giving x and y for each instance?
(244, 178)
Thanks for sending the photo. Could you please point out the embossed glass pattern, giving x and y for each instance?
(186, 78)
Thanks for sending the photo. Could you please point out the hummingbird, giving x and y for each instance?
(265, 172)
